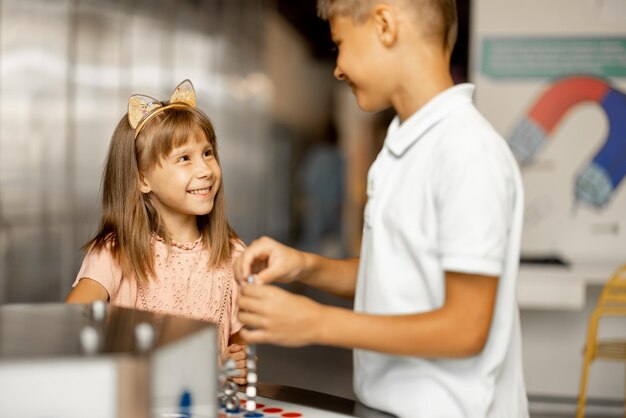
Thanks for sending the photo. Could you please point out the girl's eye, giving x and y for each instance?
(208, 153)
(183, 158)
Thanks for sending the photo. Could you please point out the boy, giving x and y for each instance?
(436, 327)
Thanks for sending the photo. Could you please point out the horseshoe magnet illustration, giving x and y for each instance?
(597, 181)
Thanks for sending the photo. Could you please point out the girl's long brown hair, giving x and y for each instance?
(129, 219)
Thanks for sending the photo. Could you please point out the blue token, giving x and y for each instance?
(185, 404)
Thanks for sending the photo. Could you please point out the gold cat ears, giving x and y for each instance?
(143, 108)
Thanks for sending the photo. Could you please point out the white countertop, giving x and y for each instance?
(560, 287)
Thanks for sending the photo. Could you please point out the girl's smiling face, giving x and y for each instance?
(183, 184)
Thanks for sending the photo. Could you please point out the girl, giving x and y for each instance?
(164, 244)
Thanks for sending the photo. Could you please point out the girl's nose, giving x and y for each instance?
(204, 169)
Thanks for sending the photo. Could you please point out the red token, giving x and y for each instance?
(272, 410)
(291, 415)
(260, 405)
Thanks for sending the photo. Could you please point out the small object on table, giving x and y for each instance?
(251, 365)
(228, 394)
(230, 399)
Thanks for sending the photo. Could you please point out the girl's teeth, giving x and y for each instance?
(203, 191)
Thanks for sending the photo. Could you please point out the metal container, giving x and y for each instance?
(66, 361)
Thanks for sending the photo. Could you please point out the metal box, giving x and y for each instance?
(102, 361)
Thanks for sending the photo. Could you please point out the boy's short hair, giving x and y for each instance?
(436, 17)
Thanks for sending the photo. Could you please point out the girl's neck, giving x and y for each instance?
(185, 238)
(183, 232)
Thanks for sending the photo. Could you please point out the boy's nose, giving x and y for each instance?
(339, 75)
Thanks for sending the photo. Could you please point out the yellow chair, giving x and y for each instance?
(612, 303)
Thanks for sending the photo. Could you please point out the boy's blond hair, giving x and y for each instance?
(435, 17)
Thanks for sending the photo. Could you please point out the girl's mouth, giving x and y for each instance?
(201, 191)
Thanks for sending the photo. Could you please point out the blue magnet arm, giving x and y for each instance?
(613, 155)
(596, 183)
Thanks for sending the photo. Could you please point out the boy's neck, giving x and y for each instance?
(421, 69)
(416, 91)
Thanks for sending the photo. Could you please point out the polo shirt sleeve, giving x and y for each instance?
(474, 194)
(101, 267)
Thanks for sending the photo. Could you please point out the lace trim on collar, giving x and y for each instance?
(182, 245)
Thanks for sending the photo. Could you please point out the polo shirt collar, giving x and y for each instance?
(401, 136)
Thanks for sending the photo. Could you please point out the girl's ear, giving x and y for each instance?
(144, 186)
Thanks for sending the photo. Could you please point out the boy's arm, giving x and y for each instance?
(458, 329)
(330, 275)
(87, 291)
(273, 261)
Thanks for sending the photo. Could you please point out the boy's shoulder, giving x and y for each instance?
(466, 129)
(468, 141)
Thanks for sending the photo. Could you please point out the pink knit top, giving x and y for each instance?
(183, 285)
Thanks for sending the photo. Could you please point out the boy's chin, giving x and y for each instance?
(370, 104)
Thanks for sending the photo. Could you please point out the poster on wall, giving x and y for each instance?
(551, 77)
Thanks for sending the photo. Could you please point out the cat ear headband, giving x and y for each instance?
(143, 108)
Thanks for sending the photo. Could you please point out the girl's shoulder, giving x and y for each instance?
(237, 247)
(106, 245)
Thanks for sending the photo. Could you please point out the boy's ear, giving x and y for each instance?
(386, 21)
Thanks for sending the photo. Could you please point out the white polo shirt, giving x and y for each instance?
(444, 194)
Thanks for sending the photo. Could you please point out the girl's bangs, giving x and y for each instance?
(173, 129)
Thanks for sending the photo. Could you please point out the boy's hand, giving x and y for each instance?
(278, 317)
(270, 261)
(237, 353)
